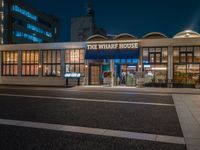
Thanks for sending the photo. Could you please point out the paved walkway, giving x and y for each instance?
(188, 109)
(134, 89)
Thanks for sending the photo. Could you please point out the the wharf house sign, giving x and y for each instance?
(107, 46)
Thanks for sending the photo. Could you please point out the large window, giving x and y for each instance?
(155, 64)
(51, 62)
(9, 63)
(155, 55)
(155, 73)
(75, 61)
(186, 54)
(187, 65)
(30, 63)
(187, 74)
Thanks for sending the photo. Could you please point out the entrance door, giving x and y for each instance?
(95, 75)
(125, 74)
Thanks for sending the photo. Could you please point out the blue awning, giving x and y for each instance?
(112, 54)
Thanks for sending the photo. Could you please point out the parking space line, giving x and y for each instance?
(95, 131)
(89, 100)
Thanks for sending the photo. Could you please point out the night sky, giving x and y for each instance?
(130, 16)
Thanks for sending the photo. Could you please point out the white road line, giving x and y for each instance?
(95, 131)
(88, 100)
(92, 91)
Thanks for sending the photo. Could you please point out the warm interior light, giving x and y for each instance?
(164, 68)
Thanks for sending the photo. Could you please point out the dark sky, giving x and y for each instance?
(131, 16)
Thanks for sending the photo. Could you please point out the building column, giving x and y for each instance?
(1, 61)
(112, 70)
(62, 65)
(170, 66)
(40, 64)
(86, 81)
(19, 63)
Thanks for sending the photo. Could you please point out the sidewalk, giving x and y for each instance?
(188, 110)
(134, 89)
(111, 89)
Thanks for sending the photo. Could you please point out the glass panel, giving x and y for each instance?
(197, 55)
(82, 56)
(180, 74)
(71, 68)
(58, 70)
(77, 68)
(9, 63)
(192, 74)
(46, 70)
(158, 49)
(117, 61)
(123, 61)
(164, 55)
(149, 74)
(15, 70)
(67, 60)
(52, 66)
(58, 57)
(145, 55)
(183, 57)
(23, 57)
(30, 60)
(36, 57)
(189, 49)
(75, 56)
(152, 50)
(183, 49)
(160, 72)
(129, 60)
(176, 55)
(53, 56)
(158, 58)
(189, 57)
(82, 70)
(151, 58)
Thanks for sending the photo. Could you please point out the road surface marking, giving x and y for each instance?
(92, 91)
(88, 100)
(95, 131)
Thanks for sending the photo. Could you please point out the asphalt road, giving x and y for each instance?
(103, 110)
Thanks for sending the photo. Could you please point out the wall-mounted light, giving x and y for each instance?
(40, 66)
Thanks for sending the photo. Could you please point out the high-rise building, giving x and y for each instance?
(84, 26)
(1, 20)
(22, 24)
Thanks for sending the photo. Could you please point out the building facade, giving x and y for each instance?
(154, 61)
(22, 24)
(85, 26)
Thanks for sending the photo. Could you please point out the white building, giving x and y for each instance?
(123, 60)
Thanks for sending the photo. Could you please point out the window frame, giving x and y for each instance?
(11, 64)
(51, 63)
(28, 62)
